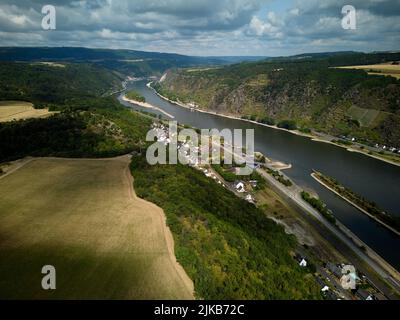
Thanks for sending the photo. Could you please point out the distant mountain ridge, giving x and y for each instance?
(127, 62)
(139, 63)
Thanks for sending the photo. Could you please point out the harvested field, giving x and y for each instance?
(384, 69)
(17, 110)
(50, 64)
(82, 217)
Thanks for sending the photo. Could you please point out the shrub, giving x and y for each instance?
(287, 124)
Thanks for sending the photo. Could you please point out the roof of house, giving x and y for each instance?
(334, 269)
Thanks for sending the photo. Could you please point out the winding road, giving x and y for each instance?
(338, 235)
(341, 234)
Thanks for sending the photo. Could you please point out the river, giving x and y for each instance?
(376, 180)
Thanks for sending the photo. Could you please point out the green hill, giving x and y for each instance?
(88, 124)
(309, 90)
(228, 247)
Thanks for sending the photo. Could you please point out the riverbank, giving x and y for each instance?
(315, 176)
(358, 248)
(147, 105)
(317, 138)
(200, 120)
(352, 149)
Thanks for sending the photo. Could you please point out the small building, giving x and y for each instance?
(325, 289)
(303, 263)
(253, 183)
(249, 198)
(240, 187)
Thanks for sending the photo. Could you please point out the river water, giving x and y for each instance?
(375, 180)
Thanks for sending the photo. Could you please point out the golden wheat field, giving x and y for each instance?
(18, 110)
(83, 218)
(384, 69)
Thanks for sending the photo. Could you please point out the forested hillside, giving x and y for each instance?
(229, 248)
(59, 83)
(311, 91)
(86, 125)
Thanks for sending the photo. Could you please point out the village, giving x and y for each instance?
(329, 275)
(240, 186)
(377, 147)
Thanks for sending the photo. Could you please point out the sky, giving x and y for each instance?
(205, 27)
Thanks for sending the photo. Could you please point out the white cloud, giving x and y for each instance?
(204, 27)
(271, 27)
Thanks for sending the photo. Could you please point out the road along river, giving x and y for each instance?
(376, 180)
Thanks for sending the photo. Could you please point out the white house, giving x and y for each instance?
(325, 289)
(303, 263)
(249, 198)
(240, 187)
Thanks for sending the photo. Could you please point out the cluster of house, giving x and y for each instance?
(391, 149)
(162, 134)
(302, 261)
(337, 271)
(192, 105)
(183, 149)
(210, 174)
(348, 138)
(240, 187)
(378, 146)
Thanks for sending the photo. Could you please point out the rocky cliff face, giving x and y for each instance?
(335, 101)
